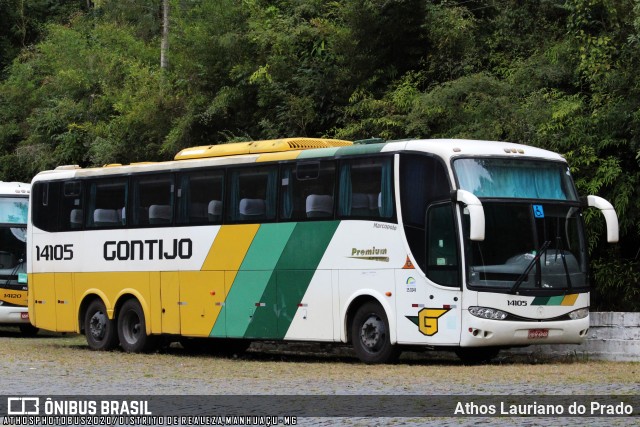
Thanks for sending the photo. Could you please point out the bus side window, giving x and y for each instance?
(106, 202)
(423, 180)
(307, 191)
(153, 200)
(200, 197)
(45, 205)
(253, 194)
(366, 188)
(72, 213)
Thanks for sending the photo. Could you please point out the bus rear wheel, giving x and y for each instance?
(98, 328)
(132, 328)
(370, 335)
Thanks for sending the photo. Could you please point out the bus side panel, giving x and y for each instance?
(201, 293)
(44, 301)
(170, 297)
(249, 309)
(67, 319)
(312, 316)
(426, 314)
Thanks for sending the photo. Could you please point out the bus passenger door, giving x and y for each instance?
(432, 305)
(170, 298)
(201, 296)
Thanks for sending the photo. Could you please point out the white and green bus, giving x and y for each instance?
(461, 245)
(14, 203)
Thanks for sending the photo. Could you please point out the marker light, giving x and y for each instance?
(487, 313)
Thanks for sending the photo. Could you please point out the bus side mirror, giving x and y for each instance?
(476, 213)
(610, 216)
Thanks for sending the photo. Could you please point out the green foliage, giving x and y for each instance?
(618, 285)
(82, 84)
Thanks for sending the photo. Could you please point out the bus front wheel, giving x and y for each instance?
(132, 328)
(370, 335)
(28, 330)
(98, 328)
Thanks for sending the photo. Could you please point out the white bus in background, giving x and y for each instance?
(14, 204)
(470, 246)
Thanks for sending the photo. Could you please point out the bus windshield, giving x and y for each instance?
(13, 210)
(548, 253)
(515, 178)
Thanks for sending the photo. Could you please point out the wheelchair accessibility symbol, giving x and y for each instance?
(538, 211)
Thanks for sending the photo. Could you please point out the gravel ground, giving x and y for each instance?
(52, 364)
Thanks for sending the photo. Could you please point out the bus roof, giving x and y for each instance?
(14, 189)
(305, 148)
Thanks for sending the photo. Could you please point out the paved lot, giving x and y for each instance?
(62, 365)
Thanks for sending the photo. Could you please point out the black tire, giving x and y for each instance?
(99, 330)
(28, 330)
(476, 355)
(132, 329)
(370, 335)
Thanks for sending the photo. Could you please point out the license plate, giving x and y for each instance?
(24, 316)
(538, 333)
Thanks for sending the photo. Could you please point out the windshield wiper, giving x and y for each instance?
(526, 271)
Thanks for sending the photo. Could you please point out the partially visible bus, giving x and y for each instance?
(470, 246)
(14, 203)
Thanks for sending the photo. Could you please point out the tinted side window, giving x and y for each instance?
(253, 194)
(152, 200)
(45, 197)
(366, 188)
(307, 191)
(71, 206)
(201, 198)
(423, 180)
(106, 203)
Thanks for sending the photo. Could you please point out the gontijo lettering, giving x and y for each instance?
(125, 250)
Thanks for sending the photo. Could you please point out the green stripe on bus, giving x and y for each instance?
(245, 297)
(293, 273)
(319, 152)
(360, 149)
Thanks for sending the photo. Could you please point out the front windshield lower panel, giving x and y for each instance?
(529, 248)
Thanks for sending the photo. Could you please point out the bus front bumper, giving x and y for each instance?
(477, 332)
(13, 315)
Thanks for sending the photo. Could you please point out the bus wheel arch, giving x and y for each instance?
(368, 331)
(99, 330)
(131, 325)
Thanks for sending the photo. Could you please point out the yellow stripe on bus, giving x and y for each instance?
(229, 249)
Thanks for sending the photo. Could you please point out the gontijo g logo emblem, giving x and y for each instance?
(427, 319)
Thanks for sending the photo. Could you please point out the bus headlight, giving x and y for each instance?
(579, 314)
(488, 313)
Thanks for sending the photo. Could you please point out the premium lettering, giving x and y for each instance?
(156, 249)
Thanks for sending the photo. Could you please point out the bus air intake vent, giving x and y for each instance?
(259, 147)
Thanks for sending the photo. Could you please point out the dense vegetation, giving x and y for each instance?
(81, 82)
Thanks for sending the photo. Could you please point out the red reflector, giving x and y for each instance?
(414, 305)
(24, 316)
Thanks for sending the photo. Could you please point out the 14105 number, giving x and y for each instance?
(54, 252)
